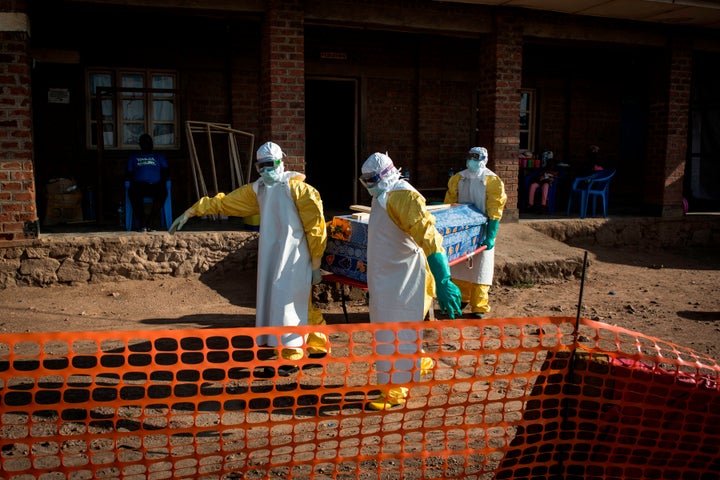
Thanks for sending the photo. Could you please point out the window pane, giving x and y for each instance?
(106, 106)
(99, 80)
(163, 81)
(133, 81)
(108, 134)
(163, 110)
(108, 138)
(524, 140)
(524, 121)
(164, 134)
(126, 115)
(133, 110)
(132, 132)
(107, 109)
(524, 102)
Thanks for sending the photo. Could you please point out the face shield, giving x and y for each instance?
(266, 165)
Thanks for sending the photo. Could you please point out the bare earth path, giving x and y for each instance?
(672, 296)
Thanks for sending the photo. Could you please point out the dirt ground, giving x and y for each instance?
(674, 296)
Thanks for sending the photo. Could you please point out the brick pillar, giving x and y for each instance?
(18, 211)
(499, 99)
(283, 80)
(668, 131)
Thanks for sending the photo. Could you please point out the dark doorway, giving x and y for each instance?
(331, 141)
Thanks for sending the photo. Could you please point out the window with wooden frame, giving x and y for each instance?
(527, 120)
(124, 104)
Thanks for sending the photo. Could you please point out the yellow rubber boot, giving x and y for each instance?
(427, 365)
(477, 296)
(291, 353)
(316, 342)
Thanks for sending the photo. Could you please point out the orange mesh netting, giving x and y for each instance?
(501, 398)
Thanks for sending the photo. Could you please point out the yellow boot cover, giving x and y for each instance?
(426, 365)
(292, 353)
(316, 342)
(394, 396)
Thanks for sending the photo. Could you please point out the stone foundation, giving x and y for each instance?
(117, 256)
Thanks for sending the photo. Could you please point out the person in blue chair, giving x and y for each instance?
(543, 181)
(480, 186)
(147, 173)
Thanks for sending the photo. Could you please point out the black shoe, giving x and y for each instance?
(287, 370)
(479, 315)
(463, 305)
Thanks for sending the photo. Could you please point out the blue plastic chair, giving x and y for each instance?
(166, 217)
(596, 186)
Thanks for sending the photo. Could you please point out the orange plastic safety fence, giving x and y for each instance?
(500, 398)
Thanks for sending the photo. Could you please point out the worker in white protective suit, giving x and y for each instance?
(480, 186)
(291, 243)
(406, 263)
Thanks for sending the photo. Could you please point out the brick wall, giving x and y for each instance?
(245, 102)
(553, 102)
(679, 98)
(500, 92)
(667, 138)
(444, 133)
(207, 96)
(283, 80)
(593, 120)
(391, 107)
(18, 213)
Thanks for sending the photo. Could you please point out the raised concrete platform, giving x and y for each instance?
(524, 255)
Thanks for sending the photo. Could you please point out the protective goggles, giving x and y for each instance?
(260, 166)
(369, 180)
(476, 156)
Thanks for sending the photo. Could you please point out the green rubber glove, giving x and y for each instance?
(491, 233)
(448, 294)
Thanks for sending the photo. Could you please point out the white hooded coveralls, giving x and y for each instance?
(396, 266)
(486, 191)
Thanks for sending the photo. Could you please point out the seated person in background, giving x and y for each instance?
(592, 164)
(543, 181)
(593, 159)
(147, 172)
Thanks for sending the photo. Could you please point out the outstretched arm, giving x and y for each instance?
(241, 202)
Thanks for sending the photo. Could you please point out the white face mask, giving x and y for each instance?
(270, 175)
(473, 165)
